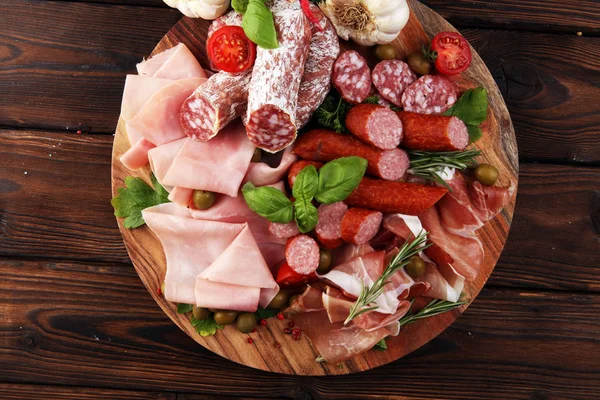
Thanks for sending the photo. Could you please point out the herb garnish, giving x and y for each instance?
(334, 182)
(205, 327)
(435, 307)
(135, 197)
(184, 308)
(369, 295)
(471, 108)
(332, 113)
(257, 22)
(381, 345)
(429, 164)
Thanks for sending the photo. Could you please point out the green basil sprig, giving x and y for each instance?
(334, 182)
(269, 203)
(257, 22)
(471, 108)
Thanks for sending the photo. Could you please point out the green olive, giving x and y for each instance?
(324, 262)
(200, 313)
(486, 174)
(203, 200)
(293, 298)
(419, 64)
(416, 267)
(246, 322)
(386, 52)
(225, 317)
(280, 300)
(257, 155)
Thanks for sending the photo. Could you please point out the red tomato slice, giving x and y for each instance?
(287, 277)
(230, 50)
(454, 53)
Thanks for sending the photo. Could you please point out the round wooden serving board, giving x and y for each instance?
(499, 148)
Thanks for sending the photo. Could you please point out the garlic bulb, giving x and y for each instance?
(206, 9)
(367, 22)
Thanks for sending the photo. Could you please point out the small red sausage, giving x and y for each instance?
(325, 145)
(433, 132)
(360, 225)
(376, 125)
(302, 254)
(299, 166)
(395, 197)
(352, 77)
(329, 227)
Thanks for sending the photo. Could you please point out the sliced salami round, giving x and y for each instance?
(360, 225)
(329, 227)
(302, 254)
(376, 125)
(352, 77)
(392, 78)
(284, 231)
(430, 94)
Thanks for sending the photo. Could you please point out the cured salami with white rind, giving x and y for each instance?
(392, 78)
(430, 94)
(352, 77)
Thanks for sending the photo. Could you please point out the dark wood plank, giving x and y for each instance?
(538, 15)
(10, 391)
(63, 64)
(89, 325)
(61, 209)
(55, 76)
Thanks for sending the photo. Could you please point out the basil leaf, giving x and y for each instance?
(240, 6)
(381, 345)
(306, 215)
(474, 133)
(339, 178)
(269, 203)
(259, 25)
(472, 107)
(306, 184)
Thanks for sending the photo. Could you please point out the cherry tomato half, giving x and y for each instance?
(287, 277)
(453, 53)
(230, 50)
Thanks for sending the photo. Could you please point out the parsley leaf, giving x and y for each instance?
(381, 345)
(206, 327)
(184, 308)
(371, 100)
(135, 197)
(266, 313)
(332, 113)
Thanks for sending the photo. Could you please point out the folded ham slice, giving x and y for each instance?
(175, 63)
(137, 155)
(217, 166)
(262, 173)
(161, 158)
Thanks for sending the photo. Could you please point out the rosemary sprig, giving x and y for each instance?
(428, 164)
(369, 295)
(435, 307)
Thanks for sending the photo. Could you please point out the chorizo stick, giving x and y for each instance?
(376, 125)
(433, 132)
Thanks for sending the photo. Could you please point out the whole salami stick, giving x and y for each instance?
(273, 93)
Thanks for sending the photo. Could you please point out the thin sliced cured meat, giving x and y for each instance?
(302, 254)
(395, 197)
(316, 81)
(430, 94)
(214, 104)
(488, 201)
(224, 296)
(329, 226)
(433, 132)
(297, 167)
(352, 77)
(161, 158)
(376, 125)
(392, 78)
(349, 251)
(137, 155)
(181, 196)
(325, 145)
(456, 210)
(190, 246)
(440, 287)
(273, 93)
(175, 63)
(158, 121)
(263, 173)
(218, 166)
(360, 225)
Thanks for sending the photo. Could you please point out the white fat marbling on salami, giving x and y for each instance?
(430, 94)
(352, 77)
(273, 92)
(392, 78)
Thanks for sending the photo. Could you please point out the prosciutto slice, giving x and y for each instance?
(334, 341)
(175, 63)
(217, 166)
(262, 173)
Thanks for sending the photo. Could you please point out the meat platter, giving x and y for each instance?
(228, 269)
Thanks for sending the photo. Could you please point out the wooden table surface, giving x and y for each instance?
(77, 323)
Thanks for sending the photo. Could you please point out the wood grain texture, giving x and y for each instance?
(499, 147)
(561, 201)
(80, 69)
(45, 392)
(95, 325)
